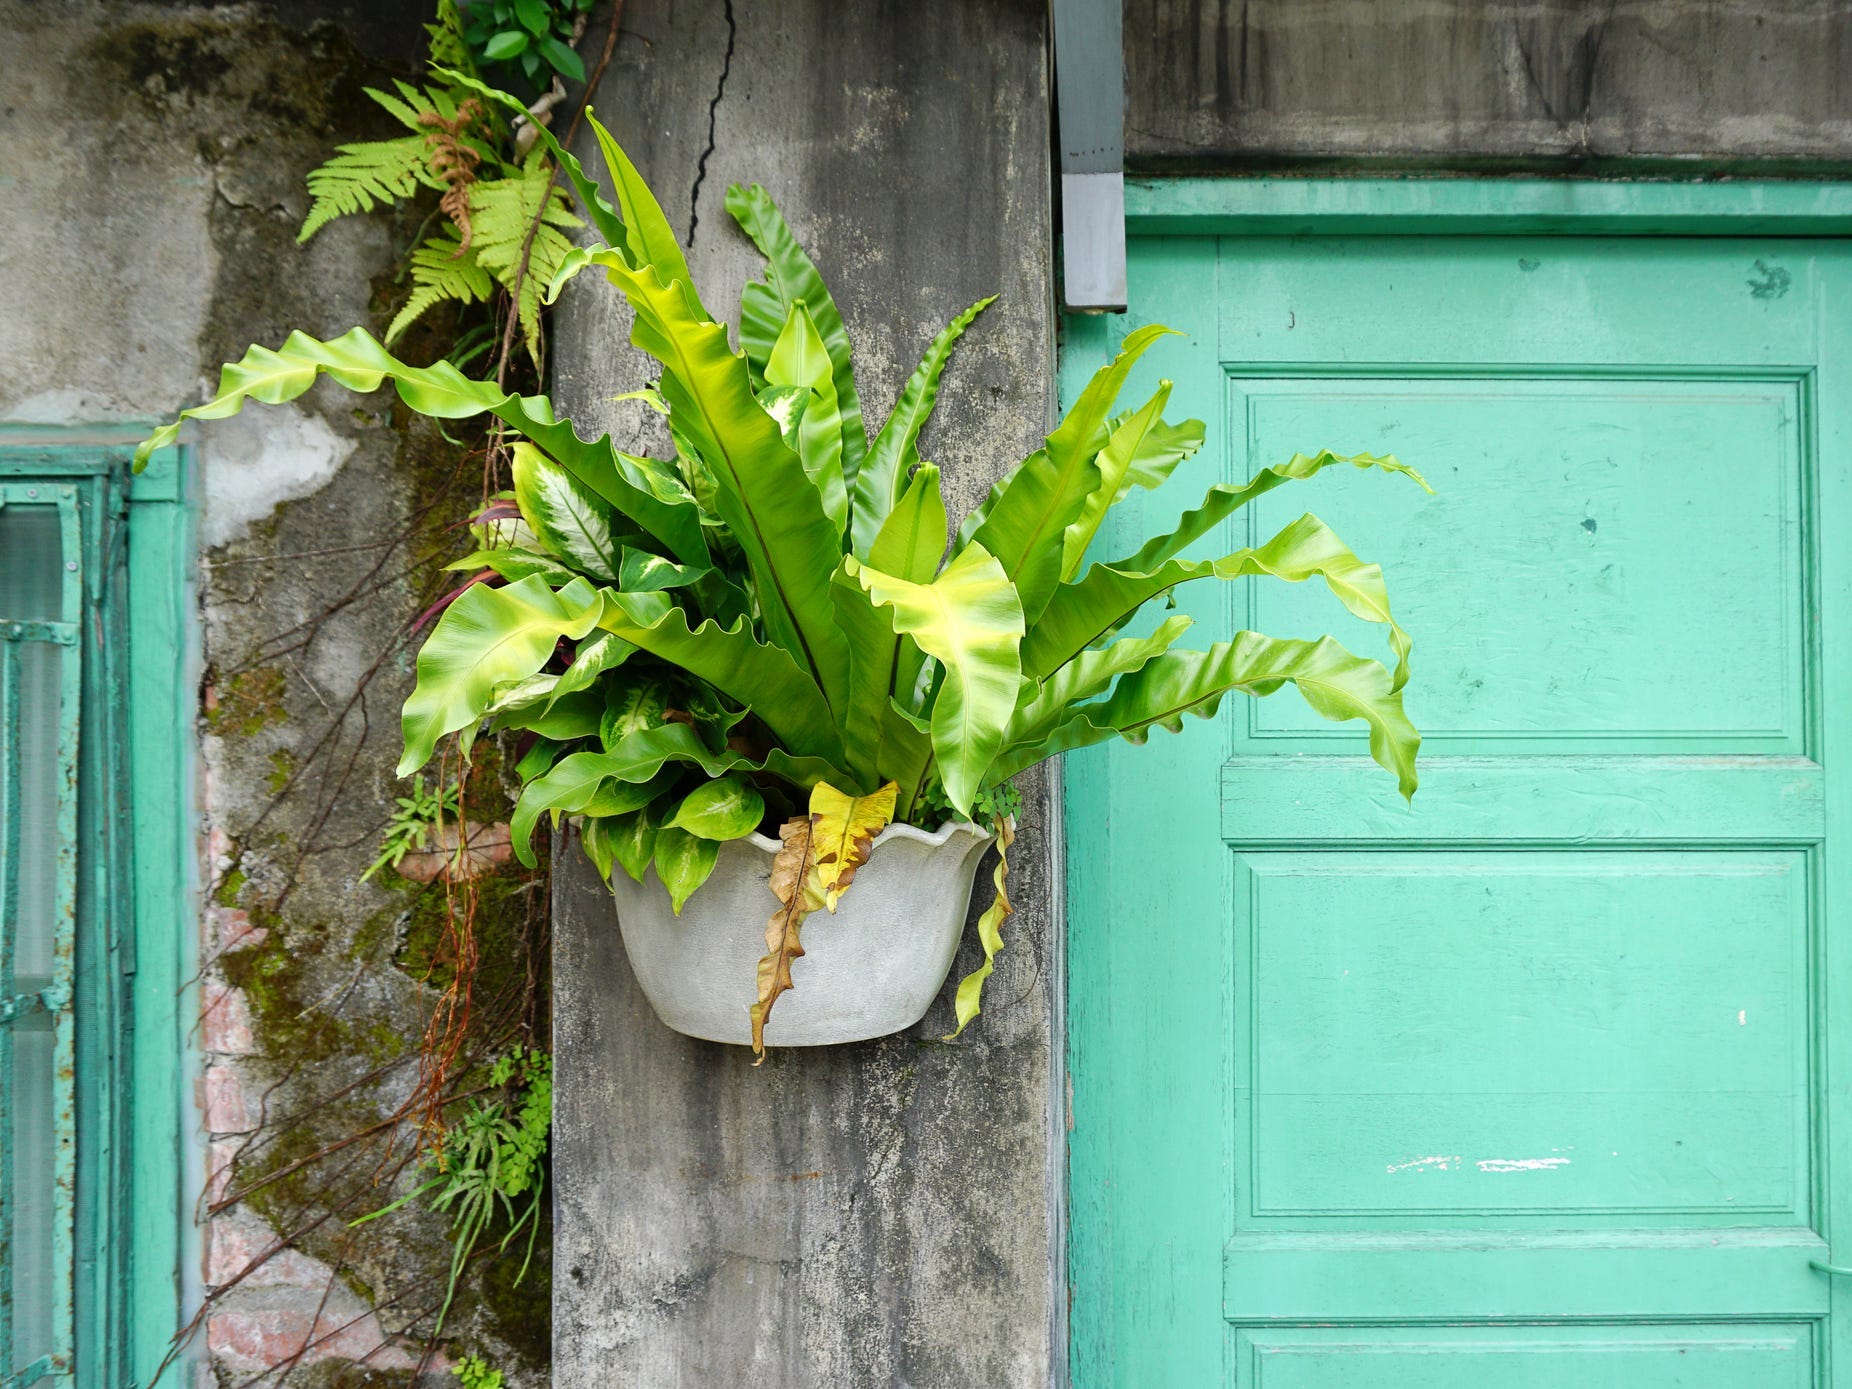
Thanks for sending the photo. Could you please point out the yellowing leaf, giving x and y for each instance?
(795, 883)
(843, 830)
(989, 933)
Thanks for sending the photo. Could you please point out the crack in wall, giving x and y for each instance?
(713, 113)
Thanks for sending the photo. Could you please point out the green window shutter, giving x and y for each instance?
(41, 687)
(96, 732)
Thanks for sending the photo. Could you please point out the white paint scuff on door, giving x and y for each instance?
(1426, 1164)
(1520, 1164)
(1442, 1162)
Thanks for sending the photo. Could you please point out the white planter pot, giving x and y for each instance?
(872, 968)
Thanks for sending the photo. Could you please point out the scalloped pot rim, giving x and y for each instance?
(935, 839)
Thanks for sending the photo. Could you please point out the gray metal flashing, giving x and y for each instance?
(1090, 114)
(1093, 242)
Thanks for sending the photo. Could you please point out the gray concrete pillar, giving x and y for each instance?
(887, 1213)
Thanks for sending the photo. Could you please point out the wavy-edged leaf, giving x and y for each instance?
(799, 361)
(795, 884)
(737, 664)
(877, 745)
(1107, 595)
(1028, 512)
(989, 933)
(683, 862)
(641, 490)
(1163, 448)
(564, 514)
(843, 830)
(764, 495)
(1090, 673)
(791, 279)
(1225, 498)
(1337, 685)
(878, 484)
(729, 808)
(1114, 463)
(487, 637)
(969, 618)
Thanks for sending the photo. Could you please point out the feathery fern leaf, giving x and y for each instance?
(363, 176)
(412, 104)
(500, 212)
(441, 271)
(447, 47)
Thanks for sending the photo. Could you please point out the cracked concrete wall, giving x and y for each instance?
(1551, 85)
(152, 160)
(879, 1214)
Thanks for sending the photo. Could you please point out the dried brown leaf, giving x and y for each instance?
(795, 883)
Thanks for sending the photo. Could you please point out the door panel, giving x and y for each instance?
(1605, 513)
(1533, 1357)
(1529, 1084)
(1579, 1083)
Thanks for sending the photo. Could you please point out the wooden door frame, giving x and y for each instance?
(1483, 207)
(1428, 206)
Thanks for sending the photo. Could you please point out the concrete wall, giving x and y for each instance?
(151, 164)
(1570, 85)
(879, 1214)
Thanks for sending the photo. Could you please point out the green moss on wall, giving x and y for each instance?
(248, 702)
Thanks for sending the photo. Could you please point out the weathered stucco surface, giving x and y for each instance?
(877, 1214)
(1557, 84)
(151, 183)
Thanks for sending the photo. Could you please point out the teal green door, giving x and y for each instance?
(1542, 1082)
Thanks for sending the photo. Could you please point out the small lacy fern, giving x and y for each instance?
(473, 1372)
(501, 213)
(490, 1168)
(441, 271)
(361, 177)
(461, 147)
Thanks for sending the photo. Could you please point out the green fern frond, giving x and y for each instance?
(446, 47)
(413, 103)
(440, 275)
(500, 213)
(363, 176)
